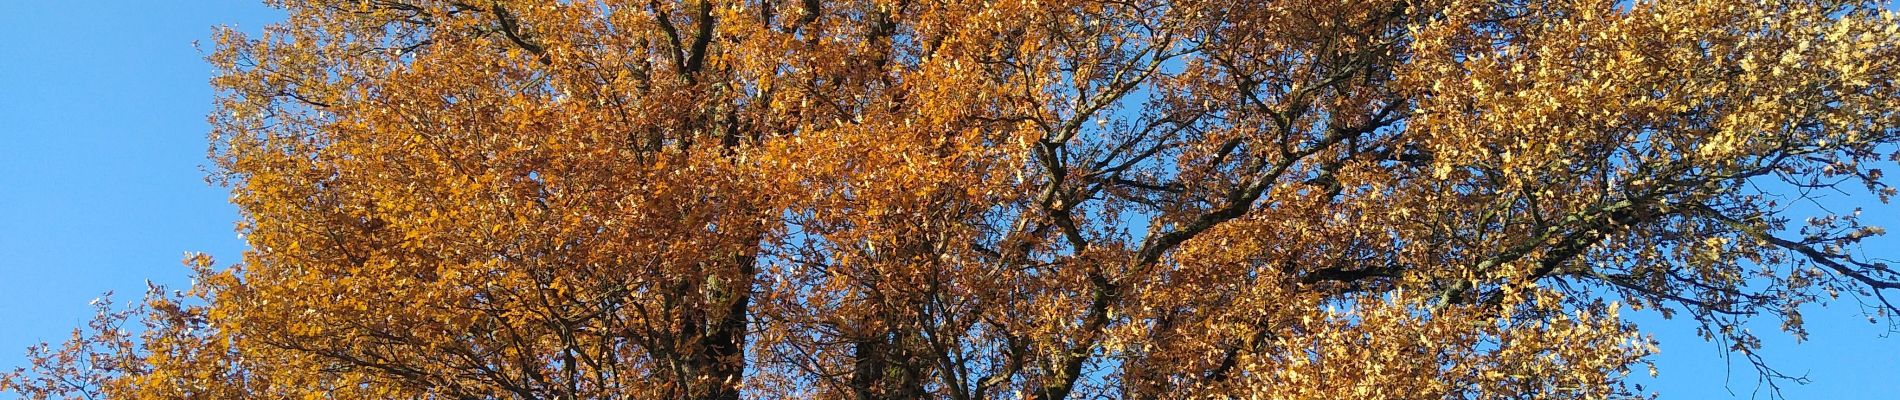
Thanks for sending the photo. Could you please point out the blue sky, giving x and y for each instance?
(102, 148)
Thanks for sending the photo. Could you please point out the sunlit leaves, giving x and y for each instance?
(1004, 199)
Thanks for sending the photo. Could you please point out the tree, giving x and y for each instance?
(1040, 199)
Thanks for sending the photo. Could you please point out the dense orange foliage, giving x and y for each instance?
(1046, 199)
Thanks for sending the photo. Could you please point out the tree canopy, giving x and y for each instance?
(1041, 199)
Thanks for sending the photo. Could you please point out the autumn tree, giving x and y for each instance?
(1045, 199)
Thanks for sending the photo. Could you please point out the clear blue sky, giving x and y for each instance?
(102, 144)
